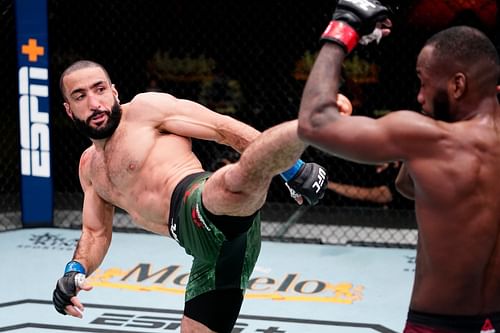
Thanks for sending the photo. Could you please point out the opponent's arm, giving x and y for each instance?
(97, 220)
(190, 119)
(356, 138)
(351, 21)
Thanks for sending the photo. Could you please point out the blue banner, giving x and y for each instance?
(34, 111)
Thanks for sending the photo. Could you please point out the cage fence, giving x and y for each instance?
(247, 60)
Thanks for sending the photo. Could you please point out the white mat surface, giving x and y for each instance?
(139, 287)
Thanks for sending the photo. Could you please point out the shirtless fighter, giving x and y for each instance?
(141, 161)
(451, 155)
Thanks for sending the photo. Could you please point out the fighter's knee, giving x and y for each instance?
(241, 179)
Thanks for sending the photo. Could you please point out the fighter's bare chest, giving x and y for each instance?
(121, 162)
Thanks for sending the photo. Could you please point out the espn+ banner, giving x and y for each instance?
(34, 130)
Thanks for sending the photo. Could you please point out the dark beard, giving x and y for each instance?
(114, 118)
(441, 107)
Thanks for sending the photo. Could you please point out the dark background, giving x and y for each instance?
(251, 52)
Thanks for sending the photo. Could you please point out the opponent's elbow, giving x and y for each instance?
(311, 124)
(306, 132)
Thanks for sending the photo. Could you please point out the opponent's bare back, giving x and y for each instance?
(451, 156)
(456, 194)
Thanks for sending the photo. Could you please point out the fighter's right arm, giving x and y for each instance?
(97, 219)
(97, 222)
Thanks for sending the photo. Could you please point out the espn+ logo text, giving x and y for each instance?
(34, 122)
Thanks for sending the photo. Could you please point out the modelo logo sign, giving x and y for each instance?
(173, 279)
(33, 79)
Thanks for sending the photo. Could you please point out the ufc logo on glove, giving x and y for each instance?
(318, 184)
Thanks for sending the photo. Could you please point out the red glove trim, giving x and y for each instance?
(342, 33)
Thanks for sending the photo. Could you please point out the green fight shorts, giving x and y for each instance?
(219, 262)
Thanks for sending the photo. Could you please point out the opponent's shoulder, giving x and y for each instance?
(405, 115)
(412, 122)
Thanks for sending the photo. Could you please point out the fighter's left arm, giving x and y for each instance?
(190, 119)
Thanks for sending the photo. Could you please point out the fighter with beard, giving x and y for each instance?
(99, 133)
(451, 156)
(141, 160)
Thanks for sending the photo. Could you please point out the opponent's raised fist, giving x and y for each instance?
(354, 19)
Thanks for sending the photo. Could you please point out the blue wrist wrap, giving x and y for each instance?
(74, 266)
(290, 173)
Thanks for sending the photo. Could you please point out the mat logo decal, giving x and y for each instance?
(411, 262)
(49, 241)
(137, 321)
(173, 279)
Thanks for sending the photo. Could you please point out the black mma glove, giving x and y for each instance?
(310, 182)
(352, 20)
(67, 286)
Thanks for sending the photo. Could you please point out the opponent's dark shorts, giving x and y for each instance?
(421, 322)
(224, 249)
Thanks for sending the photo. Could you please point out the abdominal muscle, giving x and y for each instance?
(144, 188)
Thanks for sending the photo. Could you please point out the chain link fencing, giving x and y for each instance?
(10, 217)
(248, 60)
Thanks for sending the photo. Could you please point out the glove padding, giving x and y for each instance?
(361, 15)
(66, 288)
(354, 20)
(310, 182)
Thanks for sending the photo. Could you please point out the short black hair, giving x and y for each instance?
(80, 64)
(464, 45)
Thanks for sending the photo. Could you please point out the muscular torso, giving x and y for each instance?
(457, 196)
(138, 170)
